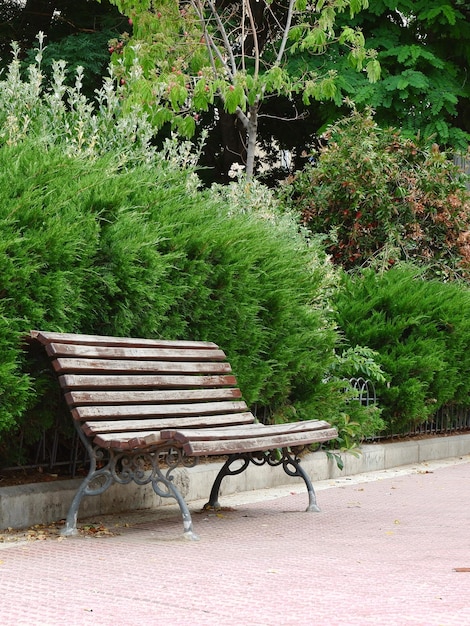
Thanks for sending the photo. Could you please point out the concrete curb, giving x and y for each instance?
(41, 503)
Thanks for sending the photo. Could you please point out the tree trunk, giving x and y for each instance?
(252, 133)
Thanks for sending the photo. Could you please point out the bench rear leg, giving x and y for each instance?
(289, 461)
(292, 467)
(225, 470)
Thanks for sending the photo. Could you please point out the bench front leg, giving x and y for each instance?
(164, 486)
(102, 478)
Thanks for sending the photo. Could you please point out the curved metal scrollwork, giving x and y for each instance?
(153, 467)
(287, 457)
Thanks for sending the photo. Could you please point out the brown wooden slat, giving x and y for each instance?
(136, 410)
(239, 432)
(129, 441)
(140, 394)
(199, 421)
(63, 365)
(131, 353)
(46, 337)
(200, 448)
(71, 381)
(92, 397)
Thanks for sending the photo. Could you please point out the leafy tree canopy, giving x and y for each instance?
(424, 51)
(76, 31)
(186, 59)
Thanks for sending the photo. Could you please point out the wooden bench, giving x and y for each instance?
(144, 407)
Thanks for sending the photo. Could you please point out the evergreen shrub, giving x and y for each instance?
(420, 332)
(101, 233)
(91, 246)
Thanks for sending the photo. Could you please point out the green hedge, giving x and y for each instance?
(421, 332)
(88, 246)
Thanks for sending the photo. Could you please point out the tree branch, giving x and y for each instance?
(255, 37)
(223, 32)
(290, 13)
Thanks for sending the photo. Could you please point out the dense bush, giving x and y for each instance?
(90, 246)
(100, 233)
(373, 193)
(421, 332)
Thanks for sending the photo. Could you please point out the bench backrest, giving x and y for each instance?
(119, 385)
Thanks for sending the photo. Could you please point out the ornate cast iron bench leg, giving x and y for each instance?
(225, 470)
(124, 467)
(104, 479)
(163, 485)
(289, 461)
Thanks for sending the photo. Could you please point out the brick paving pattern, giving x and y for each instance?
(382, 552)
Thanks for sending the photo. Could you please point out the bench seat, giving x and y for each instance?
(134, 398)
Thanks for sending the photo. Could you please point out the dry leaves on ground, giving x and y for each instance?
(41, 532)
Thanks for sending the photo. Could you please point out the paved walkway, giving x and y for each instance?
(390, 548)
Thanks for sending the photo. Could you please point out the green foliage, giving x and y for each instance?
(87, 50)
(47, 245)
(59, 114)
(15, 387)
(359, 361)
(420, 330)
(423, 88)
(378, 197)
(102, 234)
(94, 248)
(354, 418)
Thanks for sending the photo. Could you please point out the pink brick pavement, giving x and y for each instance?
(381, 552)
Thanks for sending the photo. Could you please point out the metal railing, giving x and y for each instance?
(56, 452)
(448, 419)
(463, 161)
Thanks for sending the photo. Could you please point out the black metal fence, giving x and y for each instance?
(447, 420)
(53, 453)
(58, 453)
(463, 161)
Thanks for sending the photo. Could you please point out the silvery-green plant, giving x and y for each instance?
(54, 113)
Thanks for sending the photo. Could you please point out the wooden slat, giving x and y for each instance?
(92, 397)
(86, 381)
(141, 394)
(247, 432)
(63, 365)
(96, 340)
(129, 353)
(199, 421)
(85, 413)
(129, 441)
(200, 448)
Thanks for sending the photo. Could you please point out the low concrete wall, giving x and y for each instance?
(42, 503)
